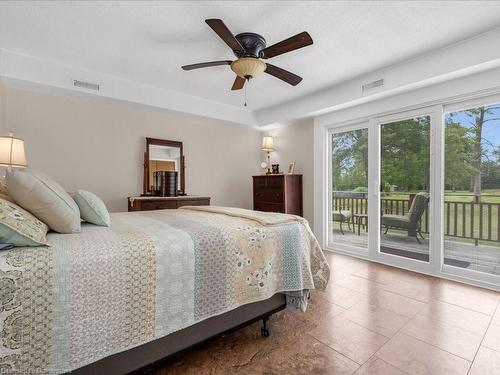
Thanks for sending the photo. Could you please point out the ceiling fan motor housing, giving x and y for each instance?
(252, 43)
(248, 64)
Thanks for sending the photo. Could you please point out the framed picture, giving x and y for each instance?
(291, 167)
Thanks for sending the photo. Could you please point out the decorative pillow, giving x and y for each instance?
(20, 228)
(92, 208)
(3, 190)
(45, 199)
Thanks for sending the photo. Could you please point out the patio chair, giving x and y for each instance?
(412, 220)
(342, 216)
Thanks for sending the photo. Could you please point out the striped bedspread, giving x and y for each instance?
(105, 290)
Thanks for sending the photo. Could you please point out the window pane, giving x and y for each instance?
(405, 179)
(472, 189)
(350, 188)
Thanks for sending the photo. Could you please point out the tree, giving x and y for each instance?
(472, 157)
(405, 152)
(477, 119)
(458, 156)
(350, 159)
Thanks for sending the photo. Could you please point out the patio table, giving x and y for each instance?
(358, 219)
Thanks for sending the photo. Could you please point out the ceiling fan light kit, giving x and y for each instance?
(250, 48)
(248, 67)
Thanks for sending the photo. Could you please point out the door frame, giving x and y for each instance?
(434, 264)
(350, 249)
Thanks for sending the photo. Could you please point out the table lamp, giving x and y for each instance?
(12, 152)
(268, 146)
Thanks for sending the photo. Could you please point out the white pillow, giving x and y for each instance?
(92, 208)
(45, 199)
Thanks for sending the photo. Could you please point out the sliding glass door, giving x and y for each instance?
(405, 187)
(420, 190)
(380, 188)
(472, 189)
(348, 198)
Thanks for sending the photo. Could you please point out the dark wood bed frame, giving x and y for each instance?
(154, 354)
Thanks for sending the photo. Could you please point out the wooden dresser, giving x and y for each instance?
(278, 193)
(161, 203)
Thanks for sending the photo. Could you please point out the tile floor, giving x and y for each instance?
(373, 319)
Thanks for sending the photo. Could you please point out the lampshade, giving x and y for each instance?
(248, 67)
(267, 144)
(12, 152)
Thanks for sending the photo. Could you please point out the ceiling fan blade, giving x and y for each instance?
(283, 74)
(227, 36)
(206, 64)
(238, 83)
(295, 42)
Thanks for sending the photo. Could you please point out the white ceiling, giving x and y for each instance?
(147, 42)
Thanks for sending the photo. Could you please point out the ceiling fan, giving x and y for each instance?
(250, 48)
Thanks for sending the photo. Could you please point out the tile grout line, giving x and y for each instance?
(482, 339)
(365, 299)
(424, 342)
(434, 279)
(403, 333)
(342, 354)
(359, 325)
(375, 354)
(382, 308)
(430, 344)
(437, 347)
(414, 299)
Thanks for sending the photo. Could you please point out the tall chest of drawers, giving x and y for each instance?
(278, 193)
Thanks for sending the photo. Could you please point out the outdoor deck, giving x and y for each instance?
(481, 258)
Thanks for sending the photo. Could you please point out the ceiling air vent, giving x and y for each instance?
(372, 85)
(85, 85)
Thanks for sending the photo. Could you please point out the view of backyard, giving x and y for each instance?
(472, 183)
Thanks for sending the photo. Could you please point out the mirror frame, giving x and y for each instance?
(162, 142)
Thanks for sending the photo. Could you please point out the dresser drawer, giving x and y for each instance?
(269, 207)
(165, 203)
(268, 195)
(275, 182)
(157, 205)
(200, 202)
(260, 182)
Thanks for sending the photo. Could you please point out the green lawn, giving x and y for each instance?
(487, 196)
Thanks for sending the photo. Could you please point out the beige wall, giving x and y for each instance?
(294, 142)
(99, 147)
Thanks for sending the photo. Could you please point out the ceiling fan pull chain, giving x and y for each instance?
(246, 94)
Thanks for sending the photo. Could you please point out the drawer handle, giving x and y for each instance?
(161, 207)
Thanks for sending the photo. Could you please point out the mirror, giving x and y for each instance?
(163, 156)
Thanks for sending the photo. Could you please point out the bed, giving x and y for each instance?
(114, 299)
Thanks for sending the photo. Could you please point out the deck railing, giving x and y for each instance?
(473, 220)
